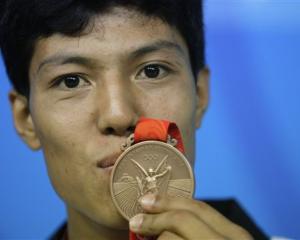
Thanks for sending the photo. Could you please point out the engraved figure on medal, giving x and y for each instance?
(149, 182)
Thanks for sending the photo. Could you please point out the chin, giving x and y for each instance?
(114, 221)
(109, 216)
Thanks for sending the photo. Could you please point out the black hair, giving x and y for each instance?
(23, 22)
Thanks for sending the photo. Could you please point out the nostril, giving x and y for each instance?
(109, 130)
(119, 130)
(131, 129)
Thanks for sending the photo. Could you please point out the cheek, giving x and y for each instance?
(60, 124)
(175, 104)
(61, 134)
(57, 130)
(179, 108)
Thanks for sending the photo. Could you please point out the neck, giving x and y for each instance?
(82, 227)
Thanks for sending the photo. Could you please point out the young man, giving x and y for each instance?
(84, 72)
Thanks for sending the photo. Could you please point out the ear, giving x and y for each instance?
(202, 91)
(22, 120)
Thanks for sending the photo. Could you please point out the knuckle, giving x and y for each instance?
(178, 215)
(149, 224)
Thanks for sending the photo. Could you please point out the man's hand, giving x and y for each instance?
(180, 218)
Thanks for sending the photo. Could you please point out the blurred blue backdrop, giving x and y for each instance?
(247, 148)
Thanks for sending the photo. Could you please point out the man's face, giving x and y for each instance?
(88, 92)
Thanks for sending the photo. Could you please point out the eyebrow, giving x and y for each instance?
(62, 59)
(156, 46)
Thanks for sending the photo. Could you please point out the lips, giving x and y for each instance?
(108, 161)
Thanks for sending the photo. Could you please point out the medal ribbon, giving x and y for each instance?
(148, 129)
(156, 129)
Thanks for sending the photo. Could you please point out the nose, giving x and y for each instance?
(118, 114)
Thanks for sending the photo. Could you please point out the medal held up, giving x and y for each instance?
(153, 161)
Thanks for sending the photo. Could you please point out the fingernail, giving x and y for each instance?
(136, 222)
(148, 200)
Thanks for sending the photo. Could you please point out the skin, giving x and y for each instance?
(77, 127)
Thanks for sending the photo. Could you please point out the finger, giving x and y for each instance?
(182, 223)
(165, 235)
(157, 204)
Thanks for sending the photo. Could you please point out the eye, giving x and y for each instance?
(71, 82)
(153, 71)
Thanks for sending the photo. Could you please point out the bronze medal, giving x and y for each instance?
(149, 167)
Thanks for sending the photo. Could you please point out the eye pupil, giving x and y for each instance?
(152, 71)
(71, 81)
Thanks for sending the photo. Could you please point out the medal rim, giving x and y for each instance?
(149, 142)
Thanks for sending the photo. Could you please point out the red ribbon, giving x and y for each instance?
(155, 129)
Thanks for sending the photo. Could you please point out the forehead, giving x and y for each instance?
(116, 32)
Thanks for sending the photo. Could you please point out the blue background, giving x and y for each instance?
(247, 148)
